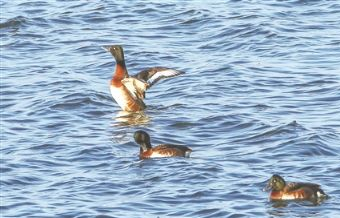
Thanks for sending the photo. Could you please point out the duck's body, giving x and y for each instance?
(124, 98)
(129, 92)
(280, 190)
(166, 150)
(163, 150)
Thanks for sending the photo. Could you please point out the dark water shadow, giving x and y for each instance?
(308, 203)
(281, 208)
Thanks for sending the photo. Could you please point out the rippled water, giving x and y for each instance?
(261, 95)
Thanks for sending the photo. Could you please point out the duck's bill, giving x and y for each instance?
(268, 187)
(106, 47)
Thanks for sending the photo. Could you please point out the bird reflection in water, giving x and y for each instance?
(125, 118)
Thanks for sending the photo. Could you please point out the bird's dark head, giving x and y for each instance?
(116, 51)
(143, 139)
(276, 183)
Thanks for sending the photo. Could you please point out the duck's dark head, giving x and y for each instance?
(143, 139)
(276, 183)
(116, 51)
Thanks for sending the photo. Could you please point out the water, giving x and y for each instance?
(261, 95)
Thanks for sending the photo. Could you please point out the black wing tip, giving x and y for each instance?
(180, 72)
(159, 68)
(177, 72)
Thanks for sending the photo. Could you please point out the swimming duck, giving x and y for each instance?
(280, 190)
(163, 150)
(129, 92)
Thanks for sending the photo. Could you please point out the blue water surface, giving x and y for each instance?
(261, 95)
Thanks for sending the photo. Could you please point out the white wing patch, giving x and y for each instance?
(136, 87)
(163, 74)
(156, 154)
(119, 96)
(288, 197)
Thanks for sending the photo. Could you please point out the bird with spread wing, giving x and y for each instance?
(129, 91)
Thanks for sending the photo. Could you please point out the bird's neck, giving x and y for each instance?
(120, 72)
(145, 147)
